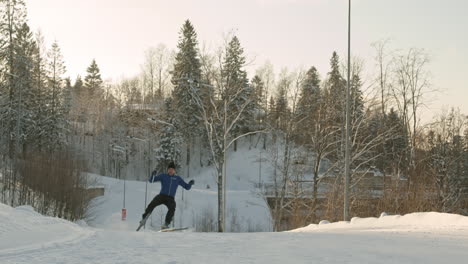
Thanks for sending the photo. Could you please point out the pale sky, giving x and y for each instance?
(288, 33)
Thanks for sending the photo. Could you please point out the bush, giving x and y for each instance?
(53, 183)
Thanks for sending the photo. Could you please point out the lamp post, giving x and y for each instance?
(348, 124)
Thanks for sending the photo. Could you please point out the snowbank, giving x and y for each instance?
(414, 221)
(23, 229)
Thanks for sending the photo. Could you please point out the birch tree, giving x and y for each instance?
(286, 190)
(411, 85)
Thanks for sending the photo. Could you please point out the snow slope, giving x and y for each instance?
(27, 237)
(246, 211)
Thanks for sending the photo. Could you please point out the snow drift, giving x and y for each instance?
(414, 222)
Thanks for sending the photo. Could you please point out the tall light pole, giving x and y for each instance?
(348, 123)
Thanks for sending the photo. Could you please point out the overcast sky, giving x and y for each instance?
(288, 33)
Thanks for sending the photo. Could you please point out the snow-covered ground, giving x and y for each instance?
(27, 237)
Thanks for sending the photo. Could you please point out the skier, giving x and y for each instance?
(169, 183)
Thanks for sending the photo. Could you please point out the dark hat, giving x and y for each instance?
(171, 165)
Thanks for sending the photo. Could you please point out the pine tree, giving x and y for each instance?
(187, 68)
(336, 90)
(236, 90)
(93, 81)
(24, 103)
(258, 87)
(335, 103)
(40, 89)
(309, 97)
(170, 140)
(78, 86)
(186, 78)
(187, 62)
(282, 111)
(308, 104)
(55, 122)
(56, 69)
(67, 96)
(78, 98)
(93, 95)
(12, 20)
(168, 149)
(258, 93)
(234, 77)
(357, 102)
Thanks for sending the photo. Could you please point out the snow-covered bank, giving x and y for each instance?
(27, 237)
(414, 222)
(22, 230)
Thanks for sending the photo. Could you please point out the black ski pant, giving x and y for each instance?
(168, 201)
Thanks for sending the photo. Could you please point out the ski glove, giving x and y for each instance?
(191, 182)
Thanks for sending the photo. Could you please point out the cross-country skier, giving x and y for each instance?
(169, 183)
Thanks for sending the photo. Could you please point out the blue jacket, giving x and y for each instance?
(169, 183)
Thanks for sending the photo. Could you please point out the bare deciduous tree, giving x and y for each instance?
(411, 84)
(218, 126)
(155, 71)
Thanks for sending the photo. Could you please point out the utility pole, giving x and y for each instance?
(348, 123)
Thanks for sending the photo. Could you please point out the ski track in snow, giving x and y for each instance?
(294, 247)
(49, 248)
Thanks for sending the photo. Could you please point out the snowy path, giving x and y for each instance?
(339, 246)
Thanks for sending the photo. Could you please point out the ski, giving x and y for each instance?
(143, 222)
(173, 229)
